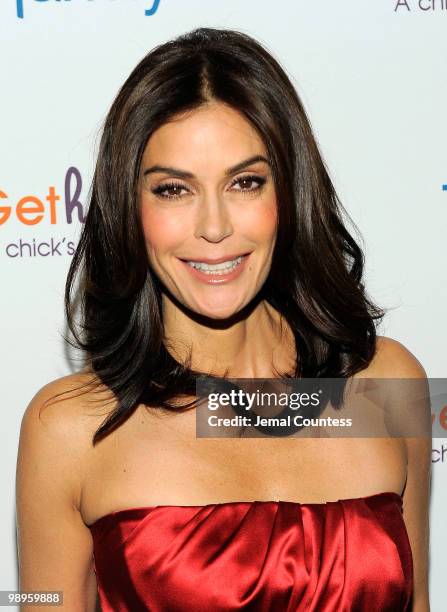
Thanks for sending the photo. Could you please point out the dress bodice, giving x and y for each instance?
(264, 556)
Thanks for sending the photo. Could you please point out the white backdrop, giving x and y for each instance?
(372, 78)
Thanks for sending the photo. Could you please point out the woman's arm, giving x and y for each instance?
(54, 545)
(396, 361)
(416, 507)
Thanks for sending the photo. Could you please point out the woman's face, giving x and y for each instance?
(209, 209)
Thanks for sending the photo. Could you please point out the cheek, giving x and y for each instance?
(162, 229)
(261, 221)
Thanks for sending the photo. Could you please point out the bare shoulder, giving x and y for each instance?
(68, 403)
(394, 360)
(60, 420)
(53, 455)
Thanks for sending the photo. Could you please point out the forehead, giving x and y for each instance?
(215, 134)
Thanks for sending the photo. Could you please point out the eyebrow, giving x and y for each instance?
(189, 175)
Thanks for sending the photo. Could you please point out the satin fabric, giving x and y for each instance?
(266, 556)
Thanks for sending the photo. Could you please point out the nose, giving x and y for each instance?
(213, 221)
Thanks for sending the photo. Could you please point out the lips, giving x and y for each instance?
(210, 261)
(216, 276)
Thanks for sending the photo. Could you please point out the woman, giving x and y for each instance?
(215, 244)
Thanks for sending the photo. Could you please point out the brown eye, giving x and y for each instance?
(249, 183)
(169, 190)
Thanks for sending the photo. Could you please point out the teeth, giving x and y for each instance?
(220, 268)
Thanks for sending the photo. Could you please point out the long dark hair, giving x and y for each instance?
(315, 281)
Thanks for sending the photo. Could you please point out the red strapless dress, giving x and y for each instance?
(266, 556)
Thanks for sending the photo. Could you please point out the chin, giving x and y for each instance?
(218, 312)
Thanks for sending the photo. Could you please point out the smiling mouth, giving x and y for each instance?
(218, 265)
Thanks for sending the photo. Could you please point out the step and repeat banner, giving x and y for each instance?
(372, 77)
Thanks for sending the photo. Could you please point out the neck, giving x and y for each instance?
(255, 343)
